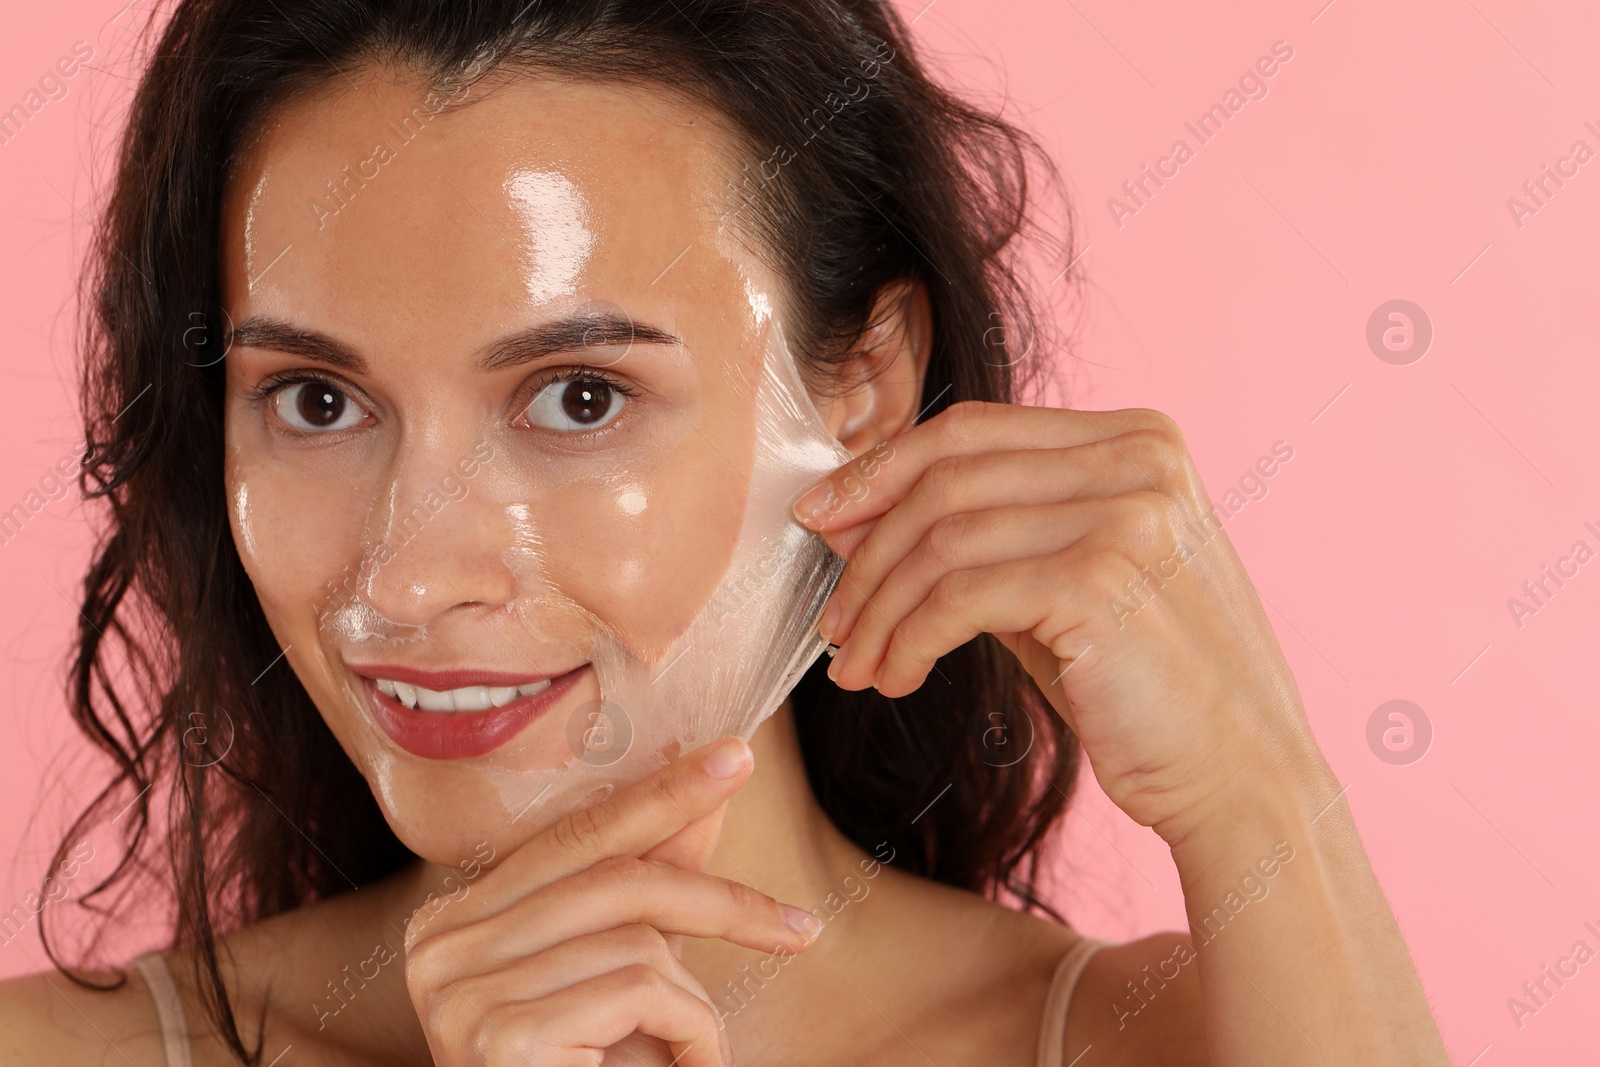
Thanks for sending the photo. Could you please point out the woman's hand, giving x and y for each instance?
(1086, 543)
(568, 948)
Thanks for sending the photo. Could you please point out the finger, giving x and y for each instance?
(628, 823)
(1023, 596)
(625, 890)
(844, 541)
(959, 542)
(600, 1012)
(966, 483)
(874, 482)
(578, 960)
(691, 847)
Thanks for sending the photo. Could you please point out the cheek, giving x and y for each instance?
(297, 534)
(647, 550)
(288, 537)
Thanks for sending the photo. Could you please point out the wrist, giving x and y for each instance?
(1259, 799)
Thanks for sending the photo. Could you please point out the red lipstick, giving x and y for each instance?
(458, 734)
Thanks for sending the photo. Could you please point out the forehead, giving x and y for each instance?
(372, 203)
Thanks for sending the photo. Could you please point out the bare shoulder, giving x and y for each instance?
(1139, 1003)
(978, 971)
(49, 1018)
(1003, 948)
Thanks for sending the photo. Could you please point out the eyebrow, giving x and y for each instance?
(569, 333)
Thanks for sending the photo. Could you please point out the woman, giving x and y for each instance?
(325, 213)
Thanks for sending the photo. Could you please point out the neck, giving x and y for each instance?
(776, 837)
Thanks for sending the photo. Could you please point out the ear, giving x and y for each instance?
(882, 391)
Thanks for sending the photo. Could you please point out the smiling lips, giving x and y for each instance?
(464, 698)
(457, 714)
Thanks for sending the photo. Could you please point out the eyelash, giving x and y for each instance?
(283, 379)
(272, 383)
(586, 373)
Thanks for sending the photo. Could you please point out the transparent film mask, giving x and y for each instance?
(660, 564)
(715, 661)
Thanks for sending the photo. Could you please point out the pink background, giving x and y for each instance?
(1418, 500)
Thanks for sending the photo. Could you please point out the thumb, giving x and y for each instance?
(691, 847)
(845, 541)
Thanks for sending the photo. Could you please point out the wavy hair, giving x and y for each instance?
(862, 171)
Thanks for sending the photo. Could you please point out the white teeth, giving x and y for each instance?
(471, 698)
(466, 698)
(428, 700)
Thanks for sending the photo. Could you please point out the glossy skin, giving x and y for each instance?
(634, 914)
(501, 217)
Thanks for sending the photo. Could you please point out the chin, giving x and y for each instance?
(449, 811)
(450, 822)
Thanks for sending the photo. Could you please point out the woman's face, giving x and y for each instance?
(489, 408)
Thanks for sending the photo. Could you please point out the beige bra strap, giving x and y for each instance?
(1052, 1029)
(169, 1006)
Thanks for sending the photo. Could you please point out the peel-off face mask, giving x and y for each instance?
(717, 663)
(552, 471)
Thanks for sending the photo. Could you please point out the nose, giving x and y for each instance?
(435, 539)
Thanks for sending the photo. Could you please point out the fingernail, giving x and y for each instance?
(830, 621)
(838, 662)
(801, 921)
(812, 508)
(727, 759)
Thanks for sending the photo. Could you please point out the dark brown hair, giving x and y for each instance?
(862, 172)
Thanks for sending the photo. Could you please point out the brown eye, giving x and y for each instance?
(577, 404)
(586, 402)
(316, 407)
